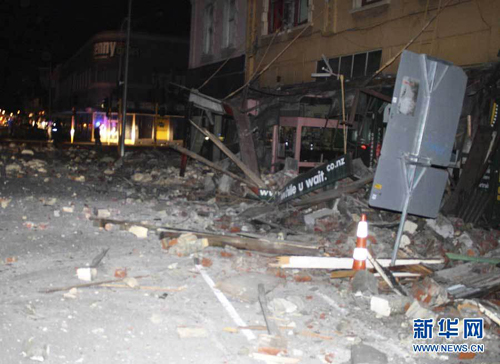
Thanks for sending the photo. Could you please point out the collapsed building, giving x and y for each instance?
(268, 245)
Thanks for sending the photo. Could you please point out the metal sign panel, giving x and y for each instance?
(316, 178)
(422, 124)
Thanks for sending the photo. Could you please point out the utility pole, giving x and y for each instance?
(125, 85)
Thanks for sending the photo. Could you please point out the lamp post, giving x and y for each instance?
(125, 84)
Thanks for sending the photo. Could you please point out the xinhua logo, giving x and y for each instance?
(448, 328)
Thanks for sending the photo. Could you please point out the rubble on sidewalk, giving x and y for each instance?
(302, 253)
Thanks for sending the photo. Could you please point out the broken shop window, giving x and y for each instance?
(353, 65)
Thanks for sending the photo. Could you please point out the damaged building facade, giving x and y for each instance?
(356, 38)
(319, 76)
(318, 137)
(216, 64)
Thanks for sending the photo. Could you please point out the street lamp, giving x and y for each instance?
(125, 84)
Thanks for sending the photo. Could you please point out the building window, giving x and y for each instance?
(353, 65)
(358, 4)
(369, 2)
(229, 23)
(208, 21)
(287, 14)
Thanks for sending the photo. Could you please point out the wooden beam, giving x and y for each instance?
(247, 147)
(472, 171)
(377, 94)
(213, 165)
(341, 263)
(350, 273)
(259, 245)
(248, 172)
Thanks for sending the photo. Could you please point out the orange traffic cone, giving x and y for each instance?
(360, 253)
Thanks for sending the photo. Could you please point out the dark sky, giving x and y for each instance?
(34, 31)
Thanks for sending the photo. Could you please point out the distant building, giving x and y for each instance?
(88, 92)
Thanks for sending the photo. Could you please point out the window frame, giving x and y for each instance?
(229, 32)
(280, 8)
(369, 2)
(352, 57)
(208, 28)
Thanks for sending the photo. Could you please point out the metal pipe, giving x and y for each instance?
(125, 83)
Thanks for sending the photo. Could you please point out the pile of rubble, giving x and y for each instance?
(291, 263)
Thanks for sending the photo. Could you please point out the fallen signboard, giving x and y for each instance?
(316, 178)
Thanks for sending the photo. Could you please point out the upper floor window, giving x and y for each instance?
(229, 23)
(353, 65)
(359, 4)
(208, 26)
(287, 14)
(369, 2)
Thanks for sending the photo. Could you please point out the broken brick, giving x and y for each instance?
(277, 272)
(302, 278)
(329, 357)
(121, 272)
(166, 244)
(226, 254)
(11, 260)
(429, 293)
(270, 350)
(206, 262)
(466, 356)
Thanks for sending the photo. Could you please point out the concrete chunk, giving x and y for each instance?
(389, 305)
(410, 227)
(139, 231)
(442, 226)
(245, 286)
(364, 281)
(192, 332)
(310, 219)
(365, 354)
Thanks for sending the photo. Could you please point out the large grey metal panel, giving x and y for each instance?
(388, 192)
(425, 111)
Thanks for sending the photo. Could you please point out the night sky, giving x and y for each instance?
(40, 33)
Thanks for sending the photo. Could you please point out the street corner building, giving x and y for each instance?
(88, 88)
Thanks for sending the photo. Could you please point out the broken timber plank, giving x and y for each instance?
(333, 194)
(472, 171)
(272, 327)
(248, 172)
(377, 94)
(351, 273)
(148, 288)
(247, 147)
(385, 276)
(342, 263)
(274, 358)
(245, 243)
(90, 284)
(209, 163)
